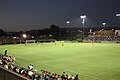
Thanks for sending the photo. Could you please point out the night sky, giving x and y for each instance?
(17, 15)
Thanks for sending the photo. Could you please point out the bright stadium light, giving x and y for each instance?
(68, 22)
(83, 16)
(117, 15)
(104, 25)
(24, 36)
(83, 22)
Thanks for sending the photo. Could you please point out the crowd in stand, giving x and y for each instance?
(8, 62)
(53, 76)
(99, 38)
(9, 58)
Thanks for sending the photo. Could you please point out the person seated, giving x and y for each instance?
(10, 67)
(5, 66)
(30, 67)
(30, 74)
(59, 77)
(1, 62)
(17, 70)
(8, 58)
(72, 77)
(13, 58)
(4, 62)
(76, 77)
(36, 77)
(63, 75)
(21, 70)
(14, 69)
(23, 74)
(4, 57)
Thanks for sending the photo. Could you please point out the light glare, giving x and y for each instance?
(84, 16)
(24, 35)
(68, 22)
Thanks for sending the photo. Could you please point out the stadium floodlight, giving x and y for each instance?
(83, 22)
(83, 16)
(118, 15)
(104, 24)
(24, 36)
(68, 22)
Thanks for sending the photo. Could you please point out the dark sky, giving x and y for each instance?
(17, 15)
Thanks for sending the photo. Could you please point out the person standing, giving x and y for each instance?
(62, 43)
(5, 52)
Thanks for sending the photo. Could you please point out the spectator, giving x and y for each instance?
(30, 74)
(10, 67)
(30, 67)
(72, 77)
(5, 52)
(1, 62)
(18, 70)
(21, 70)
(13, 58)
(76, 77)
(24, 73)
(63, 76)
(14, 69)
(36, 77)
(5, 66)
(59, 77)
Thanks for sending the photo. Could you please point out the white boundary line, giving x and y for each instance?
(63, 69)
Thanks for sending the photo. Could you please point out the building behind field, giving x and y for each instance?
(117, 32)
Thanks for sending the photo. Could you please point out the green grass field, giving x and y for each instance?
(91, 62)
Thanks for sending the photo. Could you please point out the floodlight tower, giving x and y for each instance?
(68, 22)
(24, 36)
(104, 25)
(118, 15)
(83, 17)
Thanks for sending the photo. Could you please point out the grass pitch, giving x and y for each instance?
(91, 62)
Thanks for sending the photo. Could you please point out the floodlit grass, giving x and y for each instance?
(91, 62)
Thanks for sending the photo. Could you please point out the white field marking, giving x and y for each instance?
(64, 69)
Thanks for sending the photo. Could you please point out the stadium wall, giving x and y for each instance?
(9, 75)
(108, 41)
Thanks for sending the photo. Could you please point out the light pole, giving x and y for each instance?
(83, 22)
(68, 22)
(104, 25)
(118, 15)
(25, 36)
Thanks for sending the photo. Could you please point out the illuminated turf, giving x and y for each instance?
(91, 62)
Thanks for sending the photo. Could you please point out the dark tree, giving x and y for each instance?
(2, 33)
(54, 30)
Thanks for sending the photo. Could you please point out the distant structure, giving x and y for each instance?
(117, 32)
(105, 32)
